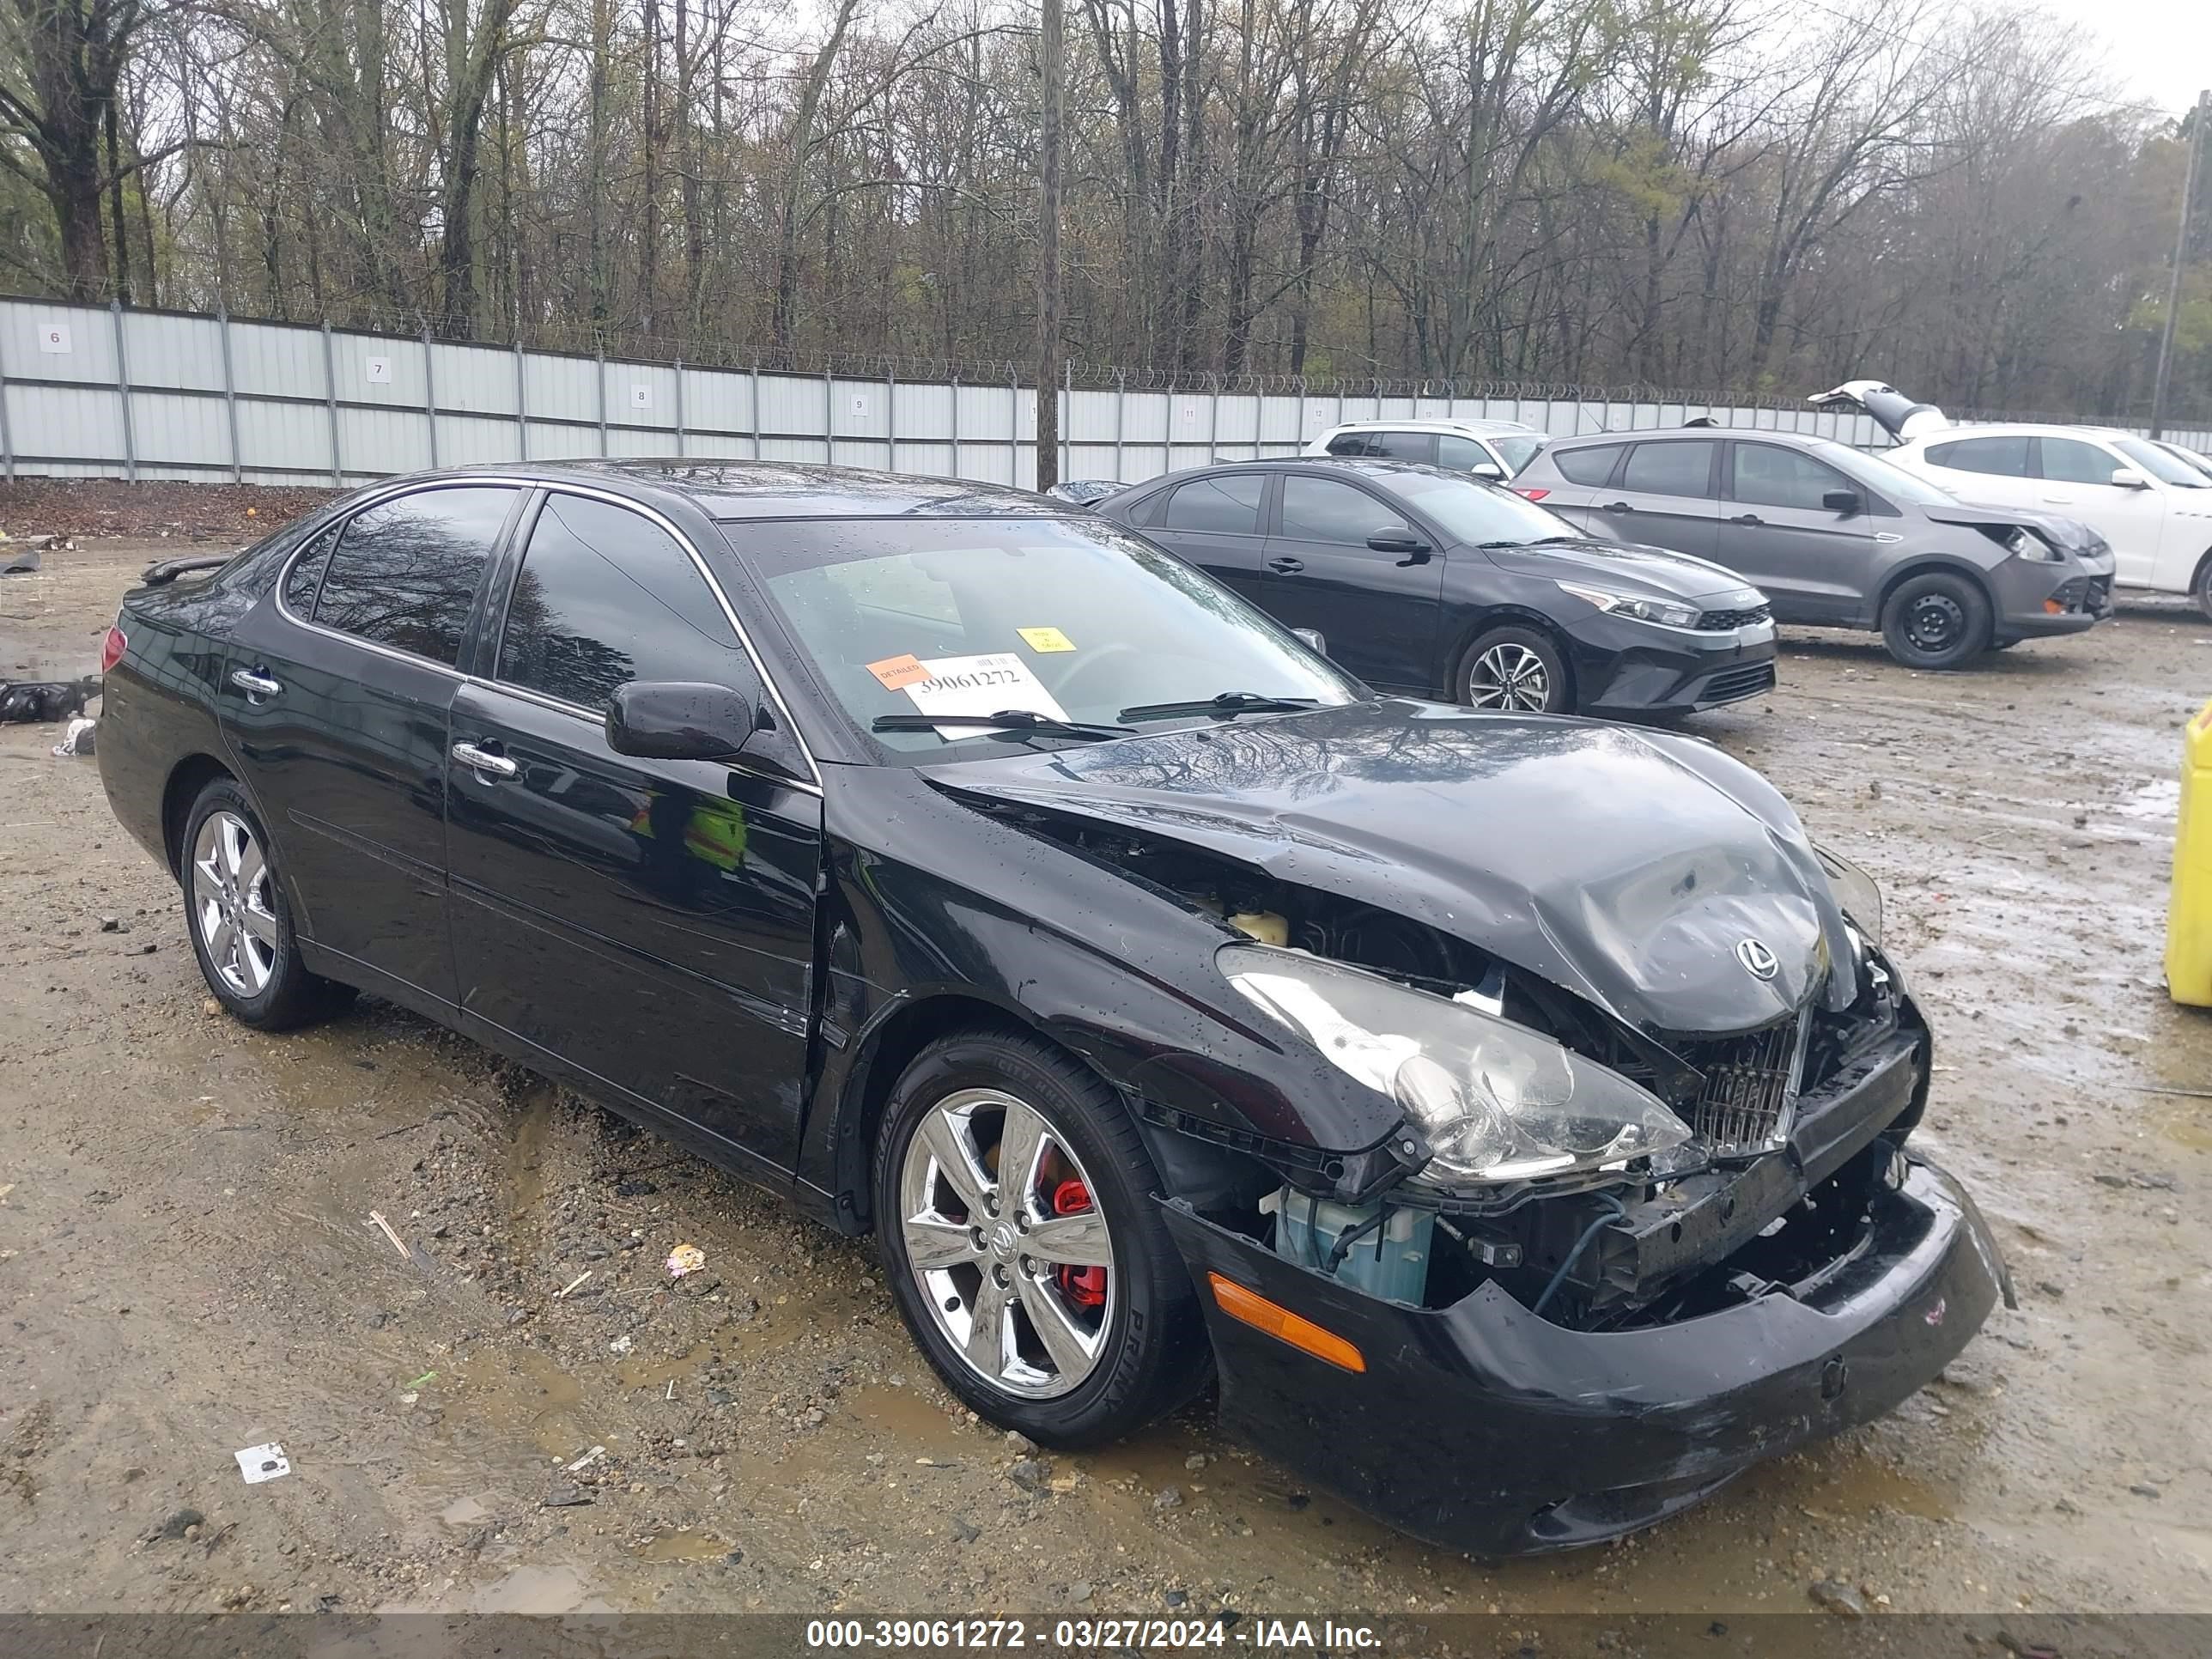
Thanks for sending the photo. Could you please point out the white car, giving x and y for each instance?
(1494, 450)
(2152, 505)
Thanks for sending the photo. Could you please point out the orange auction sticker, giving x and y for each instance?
(896, 673)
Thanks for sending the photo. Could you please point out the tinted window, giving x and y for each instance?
(1463, 454)
(606, 597)
(2153, 460)
(404, 572)
(1403, 445)
(1349, 443)
(2007, 457)
(1229, 505)
(1321, 510)
(1766, 476)
(2071, 461)
(1593, 466)
(304, 578)
(1673, 469)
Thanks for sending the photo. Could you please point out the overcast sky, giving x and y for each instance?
(2159, 51)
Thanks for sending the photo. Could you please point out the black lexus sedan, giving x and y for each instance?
(1510, 1111)
(1439, 585)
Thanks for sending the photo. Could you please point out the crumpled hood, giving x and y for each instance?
(2055, 527)
(1626, 866)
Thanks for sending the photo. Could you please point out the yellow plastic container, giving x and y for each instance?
(2189, 914)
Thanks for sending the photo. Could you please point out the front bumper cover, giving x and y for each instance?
(1482, 1428)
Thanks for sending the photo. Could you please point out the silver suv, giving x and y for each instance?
(1494, 450)
(1836, 538)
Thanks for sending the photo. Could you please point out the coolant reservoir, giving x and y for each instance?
(1262, 925)
(2189, 912)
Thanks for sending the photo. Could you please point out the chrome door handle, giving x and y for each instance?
(1287, 567)
(254, 683)
(483, 762)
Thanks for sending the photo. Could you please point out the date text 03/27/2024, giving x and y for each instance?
(1260, 1635)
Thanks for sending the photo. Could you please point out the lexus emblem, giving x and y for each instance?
(1757, 961)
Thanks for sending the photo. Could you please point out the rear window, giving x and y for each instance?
(1593, 466)
(1670, 469)
(1228, 505)
(405, 571)
(1403, 445)
(2004, 457)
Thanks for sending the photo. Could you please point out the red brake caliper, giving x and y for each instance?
(1084, 1287)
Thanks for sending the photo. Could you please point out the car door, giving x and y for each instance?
(1213, 523)
(1573, 481)
(1378, 610)
(647, 923)
(2077, 481)
(1777, 531)
(335, 704)
(1665, 497)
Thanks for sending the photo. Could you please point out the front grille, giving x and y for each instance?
(2071, 593)
(1734, 684)
(1749, 1083)
(1716, 620)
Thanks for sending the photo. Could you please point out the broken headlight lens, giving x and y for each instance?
(1498, 1101)
(1855, 891)
(2025, 544)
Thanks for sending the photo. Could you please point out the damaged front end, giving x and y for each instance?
(1602, 1267)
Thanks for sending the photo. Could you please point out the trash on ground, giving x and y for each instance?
(621, 1344)
(45, 702)
(79, 739)
(566, 1497)
(260, 1463)
(376, 1220)
(586, 1459)
(420, 1380)
(573, 1284)
(685, 1258)
(19, 564)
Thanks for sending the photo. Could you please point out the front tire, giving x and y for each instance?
(2203, 591)
(241, 921)
(1936, 621)
(1014, 1210)
(1515, 670)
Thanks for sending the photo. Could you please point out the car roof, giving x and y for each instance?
(785, 489)
(2020, 429)
(1481, 428)
(1300, 465)
(1664, 435)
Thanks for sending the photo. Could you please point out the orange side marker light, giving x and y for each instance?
(1279, 1322)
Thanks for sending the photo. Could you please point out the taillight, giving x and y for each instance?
(111, 649)
(1533, 492)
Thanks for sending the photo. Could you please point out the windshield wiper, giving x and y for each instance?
(1225, 703)
(1540, 541)
(1011, 722)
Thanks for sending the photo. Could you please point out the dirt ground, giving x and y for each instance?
(186, 1265)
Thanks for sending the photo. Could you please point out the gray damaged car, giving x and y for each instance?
(1836, 538)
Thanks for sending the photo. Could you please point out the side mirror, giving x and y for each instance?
(2126, 477)
(1845, 501)
(1490, 470)
(678, 720)
(1396, 538)
(1312, 640)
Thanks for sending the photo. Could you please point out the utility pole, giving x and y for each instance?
(2164, 379)
(1052, 72)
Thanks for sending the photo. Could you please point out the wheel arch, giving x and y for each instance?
(1934, 566)
(186, 779)
(1508, 614)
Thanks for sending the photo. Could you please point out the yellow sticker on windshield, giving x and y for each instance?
(1045, 639)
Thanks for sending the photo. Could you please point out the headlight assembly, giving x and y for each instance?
(2023, 542)
(1497, 1102)
(1633, 604)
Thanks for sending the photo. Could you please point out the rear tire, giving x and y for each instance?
(2203, 591)
(1001, 1299)
(241, 921)
(1515, 670)
(1936, 621)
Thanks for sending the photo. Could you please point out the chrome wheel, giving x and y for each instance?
(1007, 1243)
(1510, 676)
(231, 904)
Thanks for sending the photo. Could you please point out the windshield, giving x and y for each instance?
(2188, 457)
(1480, 513)
(2166, 469)
(1072, 622)
(1884, 475)
(1518, 451)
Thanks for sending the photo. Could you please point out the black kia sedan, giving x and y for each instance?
(1511, 1112)
(1434, 583)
